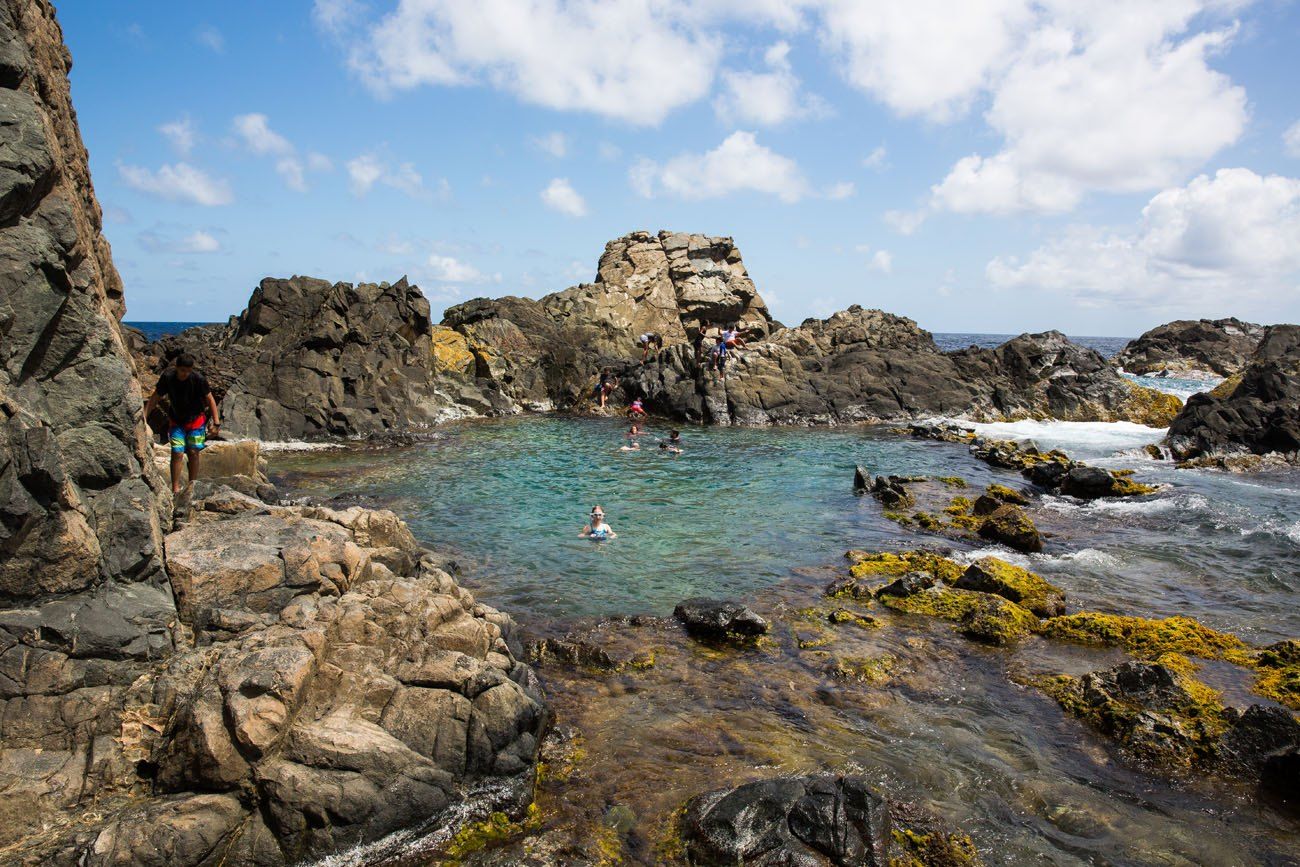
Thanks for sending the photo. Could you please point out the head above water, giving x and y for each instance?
(184, 366)
(597, 513)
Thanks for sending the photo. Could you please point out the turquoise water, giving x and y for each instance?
(736, 511)
(743, 509)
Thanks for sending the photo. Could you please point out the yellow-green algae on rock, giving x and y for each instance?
(1006, 495)
(496, 830)
(994, 575)
(980, 616)
(1149, 637)
(1149, 407)
(1277, 675)
(933, 850)
(893, 564)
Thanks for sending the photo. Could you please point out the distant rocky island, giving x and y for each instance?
(231, 680)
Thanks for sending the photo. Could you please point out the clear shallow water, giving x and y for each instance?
(766, 515)
(742, 509)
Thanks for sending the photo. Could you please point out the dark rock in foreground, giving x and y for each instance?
(790, 822)
(718, 618)
(1220, 346)
(1258, 415)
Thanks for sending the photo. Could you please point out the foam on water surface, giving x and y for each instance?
(1078, 438)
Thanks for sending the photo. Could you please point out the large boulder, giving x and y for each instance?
(719, 618)
(85, 608)
(789, 822)
(1192, 346)
(1259, 414)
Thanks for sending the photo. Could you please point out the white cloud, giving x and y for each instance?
(210, 37)
(840, 190)
(554, 143)
(1109, 99)
(290, 168)
(739, 164)
(905, 222)
(258, 137)
(629, 60)
(922, 57)
(560, 195)
(319, 162)
(181, 133)
(877, 159)
(447, 269)
(368, 169)
(1216, 241)
(609, 151)
(180, 182)
(765, 98)
(1291, 138)
(195, 242)
(882, 261)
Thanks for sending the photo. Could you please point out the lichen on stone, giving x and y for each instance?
(1147, 637)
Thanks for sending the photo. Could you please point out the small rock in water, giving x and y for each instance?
(790, 821)
(718, 618)
(1010, 525)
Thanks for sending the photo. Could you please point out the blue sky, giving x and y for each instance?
(996, 165)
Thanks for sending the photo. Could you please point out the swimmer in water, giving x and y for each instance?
(669, 449)
(635, 447)
(634, 431)
(598, 529)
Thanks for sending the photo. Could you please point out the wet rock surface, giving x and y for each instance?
(1220, 346)
(809, 821)
(1257, 414)
(719, 618)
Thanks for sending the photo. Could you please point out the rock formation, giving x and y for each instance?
(1255, 414)
(268, 683)
(1192, 346)
(85, 606)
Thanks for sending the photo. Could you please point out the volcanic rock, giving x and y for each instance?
(1259, 415)
(1219, 346)
(718, 618)
(792, 821)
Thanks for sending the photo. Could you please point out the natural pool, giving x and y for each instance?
(766, 515)
(742, 508)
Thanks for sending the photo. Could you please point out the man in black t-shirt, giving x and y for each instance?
(191, 409)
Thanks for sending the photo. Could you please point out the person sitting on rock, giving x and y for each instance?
(647, 340)
(636, 411)
(190, 408)
(597, 528)
(604, 388)
(732, 337)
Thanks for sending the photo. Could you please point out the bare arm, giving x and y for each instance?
(151, 403)
(212, 412)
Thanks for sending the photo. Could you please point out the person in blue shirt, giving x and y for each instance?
(598, 529)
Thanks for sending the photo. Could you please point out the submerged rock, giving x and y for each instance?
(719, 618)
(991, 575)
(1220, 346)
(1010, 526)
(789, 821)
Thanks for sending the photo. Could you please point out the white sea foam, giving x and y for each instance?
(1182, 386)
(297, 446)
(1092, 437)
(1089, 557)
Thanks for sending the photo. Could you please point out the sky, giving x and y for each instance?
(984, 166)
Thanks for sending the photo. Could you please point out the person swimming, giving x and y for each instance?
(634, 447)
(669, 449)
(597, 529)
(634, 431)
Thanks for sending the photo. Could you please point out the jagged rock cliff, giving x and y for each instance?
(265, 684)
(85, 606)
(1255, 413)
(308, 358)
(1218, 346)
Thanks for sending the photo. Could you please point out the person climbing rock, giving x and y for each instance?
(604, 388)
(597, 529)
(701, 334)
(636, 411)
(191, 409)
(718, 358)
(647, 340)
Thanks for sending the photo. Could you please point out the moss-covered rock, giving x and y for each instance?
(992, 575)
(1278, 673)
(874, 670)
(895, 563)
(933, 849)
(1149, 407)
(1010, 526)
(840, 616)
(1149, 637)
(1006, 495)
(997, 621)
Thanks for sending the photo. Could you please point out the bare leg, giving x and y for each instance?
(177, 459)
(194, 464)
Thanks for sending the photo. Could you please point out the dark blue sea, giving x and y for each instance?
(1107, 346)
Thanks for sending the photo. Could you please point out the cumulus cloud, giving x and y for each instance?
(882, 261)
(368, 169)
(560, 195)
(627, 60)
(739, 164)
(255, 131)
(1291, 138)
(1116, 101)
(1230, 236)
(178, 182)
(554, 143)
(766, 98)
(447, 269)
(195, 242)
(878, 159)
(181, 133)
